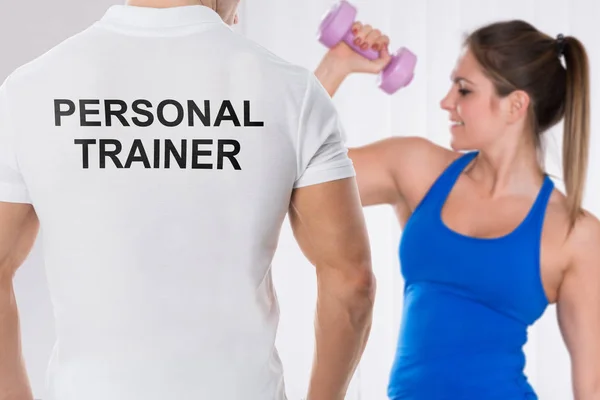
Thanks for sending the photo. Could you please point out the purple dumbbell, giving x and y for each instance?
(337, 26)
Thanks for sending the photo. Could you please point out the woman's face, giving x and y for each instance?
(476, 111)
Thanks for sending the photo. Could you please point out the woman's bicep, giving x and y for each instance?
(374, 174)
(397, 170)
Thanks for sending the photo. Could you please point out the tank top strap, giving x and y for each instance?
(535, 219)
(445, 182)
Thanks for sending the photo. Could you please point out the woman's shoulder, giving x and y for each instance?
(422, 153)
(416, 163)
(581, 238)
(585, 236)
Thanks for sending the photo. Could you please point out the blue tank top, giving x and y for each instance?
(467, 303)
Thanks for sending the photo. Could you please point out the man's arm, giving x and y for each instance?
(329, 226)
(19, 226)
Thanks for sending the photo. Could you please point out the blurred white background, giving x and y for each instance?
(432, 29)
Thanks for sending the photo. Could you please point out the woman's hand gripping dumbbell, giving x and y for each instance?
(355, 47)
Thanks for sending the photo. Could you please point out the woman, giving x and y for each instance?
(487, 241)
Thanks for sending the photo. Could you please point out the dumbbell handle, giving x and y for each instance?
(369, 53)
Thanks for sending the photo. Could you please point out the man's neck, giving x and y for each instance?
(171, 3)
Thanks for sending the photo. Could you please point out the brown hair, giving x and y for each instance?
(516, 56)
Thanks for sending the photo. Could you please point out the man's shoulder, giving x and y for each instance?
(58, 53)
(280, 67)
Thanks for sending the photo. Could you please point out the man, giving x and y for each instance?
(160, 153)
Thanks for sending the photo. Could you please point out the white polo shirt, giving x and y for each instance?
(160, 150)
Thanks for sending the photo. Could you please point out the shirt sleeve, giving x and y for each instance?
(12, 186)
(322, 155)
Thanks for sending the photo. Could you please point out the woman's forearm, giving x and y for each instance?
(330, 74)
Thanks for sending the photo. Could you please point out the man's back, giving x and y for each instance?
(160, 151)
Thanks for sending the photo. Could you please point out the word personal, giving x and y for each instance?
(169, 113)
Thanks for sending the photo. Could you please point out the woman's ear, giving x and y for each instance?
(518, 105)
